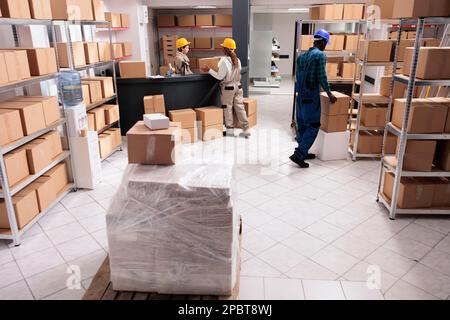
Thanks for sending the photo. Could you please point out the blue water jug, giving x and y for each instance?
(70, 84)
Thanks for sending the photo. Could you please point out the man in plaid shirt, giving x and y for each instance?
(311, 75)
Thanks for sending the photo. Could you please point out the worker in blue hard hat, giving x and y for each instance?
(311, 75)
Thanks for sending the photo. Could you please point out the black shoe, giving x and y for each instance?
(310, 156)
(300, 163)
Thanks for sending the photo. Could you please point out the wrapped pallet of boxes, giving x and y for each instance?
(334, 117)
(187, 118)
(180, 233)
(431, 65)
(211, 122)
(25, 205)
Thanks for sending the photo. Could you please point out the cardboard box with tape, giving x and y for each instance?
(77, 51)
(10, 126)
(31, 114)
(154, 104)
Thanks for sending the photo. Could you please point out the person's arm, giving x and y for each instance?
(323, 80)
(222, 73)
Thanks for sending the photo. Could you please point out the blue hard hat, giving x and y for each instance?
(322, 34)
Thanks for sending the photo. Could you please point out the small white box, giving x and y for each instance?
(156, 121)
(332, 146)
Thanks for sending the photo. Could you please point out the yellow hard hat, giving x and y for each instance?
(182, 42)
(229, 43)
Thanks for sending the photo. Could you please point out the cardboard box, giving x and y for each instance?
(223, 20)
(78, 54)
(16, 165)
(107, 85)
(166, 21)
(445, 102)
(98, 9)
(117, 50)
(204, 20)
(45, 195)
(104, 51)
(17, 66)
(347, 70)
(419, 155)
(91, 121)
(105, 144)
(38, 154)
(213, 132)
(111, 113)
(186, 21)
(50, 107)
(252, 120)
(369, 142)
(86, 94)
(431, 42)
(441, 191)
(425, 116)
(189, 135)
(114, 18)
(10, 126)
(212, 63)
(91, 52)
(54, 139)
(116, 139)
(327, 12)
(31, 115)
(341, 106)
(72, 10)
(373, 115)
(442, 158)
(127, 49)
(337, 42)
(432, 63)
(332, 70)
(420, 8)
(125, 20)
(209, 116)
(402, 48)
(378, 50)
(390, 146)
(156, 147)
(42, 61)
(394, 35)
(154, 104)
(3, 69)
(351, 42)
(95, 90)
(353, 11)
(25, 207)
(132, 69)
(203, 43)
(251, 106)
(187, 117)
(306, 42)
(386, 9)
(40, 9)
(156, 121)
(336, 123)
(412, 193)
(99, 118)
(18, 9)
(59, 177)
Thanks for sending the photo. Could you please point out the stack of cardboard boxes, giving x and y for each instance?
(192, 21)
(187, 119)
(97, 88)
(108, 141)
(210, 123)
(337, 12)
(118, 20)
(251, 109)
(390, 9)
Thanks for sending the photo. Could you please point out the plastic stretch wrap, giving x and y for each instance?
(173, 230)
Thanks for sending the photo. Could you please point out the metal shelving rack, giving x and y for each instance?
(360, 97)
(7, 192)
(87, 68)
(394, 164)
(356, 26)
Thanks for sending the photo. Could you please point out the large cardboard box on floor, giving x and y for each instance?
(72, 10)
(31, 115)
(327, 12)
(54, 138)
(91, 52)
(39, 154)
(59, 177)
(209, 116)
(166, 21)
(186, 21)
(99, 118)
(95, 89)
(412, 193)
(378, 50)
(373, 115)
(111, 113)
(18, 9)
(212, 63)
(339, 108)
(132, 69)
(50, 107)
(104, 51)
(353, 11)
(157, 147)
(17, 66)
(41, 9)
(442, 158)
(107, 85)
(432, 63)
(223, 20)
(186, 219)
(186, 117)
(10, 126)
(114, 18)
(154, 104)
(419, 155)
(78, 54)
(425, 116)
(16, 165)
(25, 207)
(369, 142)
(421, 8)
(98, 10)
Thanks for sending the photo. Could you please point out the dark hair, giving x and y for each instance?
(181, 49)
(321, 41)
(233, 56)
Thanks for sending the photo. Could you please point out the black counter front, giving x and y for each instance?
(194, 91)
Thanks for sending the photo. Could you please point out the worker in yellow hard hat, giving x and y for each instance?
(181, 59)
(232, 96)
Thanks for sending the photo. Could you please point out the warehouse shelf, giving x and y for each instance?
(197, 27)
(422, 83)
(27, 82)
(425, 211)
(100, 102)
(112, 29)
(118, 148)
(363, 155)
(93, 65)
(340, 80)
(81, 23)
(30, 179)
(390, 164)
(122, 58)
(374, 64)
(6, 234)
(418, 136)
(109, 126)
(24, 22)
(369, 98)
(26, 139)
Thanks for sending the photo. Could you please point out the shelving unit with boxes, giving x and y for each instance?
(99, 92)
(205, 32)
(119, 22)
(413, 178)
(35, 158)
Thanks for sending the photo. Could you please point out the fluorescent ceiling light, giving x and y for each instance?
(299, 9)
(205, 7)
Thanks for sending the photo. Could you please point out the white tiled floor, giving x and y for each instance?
(308, 234)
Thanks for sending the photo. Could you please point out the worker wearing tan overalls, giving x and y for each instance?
(231, 89)
(182, 61)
